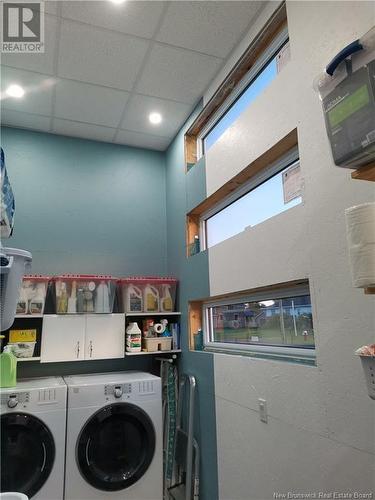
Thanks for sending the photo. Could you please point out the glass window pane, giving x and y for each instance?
(260, 204)
(266, 75)
(285, 322)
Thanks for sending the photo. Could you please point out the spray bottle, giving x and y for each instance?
(166, 302)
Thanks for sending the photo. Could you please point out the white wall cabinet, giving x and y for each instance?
(82, 337)
(105, 337)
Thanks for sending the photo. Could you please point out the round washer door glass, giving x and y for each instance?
(27, 453)
(116, 447)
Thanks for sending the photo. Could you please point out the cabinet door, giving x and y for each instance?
(63, 338)
(105, 336)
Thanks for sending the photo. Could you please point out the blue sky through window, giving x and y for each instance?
(260, 204)
(267, 74)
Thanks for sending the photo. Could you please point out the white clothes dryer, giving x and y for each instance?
(114, 437)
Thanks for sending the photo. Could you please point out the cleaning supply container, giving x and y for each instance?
(22, 349)
(33, 294)
(168, 289)
(84, 293)
(148, 294)
(132, 294)
(157, 344)
(8, 368)
(12, 268)
(133, 338)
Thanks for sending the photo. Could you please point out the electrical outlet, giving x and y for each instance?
(263, 415)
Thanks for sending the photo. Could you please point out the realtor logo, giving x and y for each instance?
(23, 27)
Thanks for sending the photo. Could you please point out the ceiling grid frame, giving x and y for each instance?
(127, 130)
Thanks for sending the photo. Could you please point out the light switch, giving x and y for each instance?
(263, 415)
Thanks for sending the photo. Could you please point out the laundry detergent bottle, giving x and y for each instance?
(134, 299)
(151, 298)
(166, 302)
(133, 338)
(8, 368)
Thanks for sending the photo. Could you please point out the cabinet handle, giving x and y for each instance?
(90, 348)
(78, 349)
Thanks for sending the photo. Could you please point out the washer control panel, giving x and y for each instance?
(118, 390)
(12, 400)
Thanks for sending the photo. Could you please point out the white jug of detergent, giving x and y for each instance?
(133, 299)
(166, 302)
(133, 338)
(151, 298)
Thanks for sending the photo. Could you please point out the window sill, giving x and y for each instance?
(288, 358)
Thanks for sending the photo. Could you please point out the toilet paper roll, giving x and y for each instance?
(362, 264)
(360, 224)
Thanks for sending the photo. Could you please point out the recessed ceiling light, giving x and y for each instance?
(117, 2)
(155, 118)
(15, 90)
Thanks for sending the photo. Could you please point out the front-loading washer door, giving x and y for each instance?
(115, 447)
(27, 453)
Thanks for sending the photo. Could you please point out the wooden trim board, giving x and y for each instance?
(275, 24)
(366, 173)
(271, 155)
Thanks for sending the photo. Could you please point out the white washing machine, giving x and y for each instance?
(33, 421)
(114, 444)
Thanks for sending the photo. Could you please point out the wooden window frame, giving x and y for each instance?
(262, 41)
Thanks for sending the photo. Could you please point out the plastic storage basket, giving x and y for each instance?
(148, 294)
(83, 293)
(368, 365)
(33, 294)
(22, 349)
(12, 267)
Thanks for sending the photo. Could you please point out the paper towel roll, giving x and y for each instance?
(360, 226)
(159, 328)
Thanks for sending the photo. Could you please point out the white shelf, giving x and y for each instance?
(153, 314)
(28, 316)
(144, 353)
(36, 358)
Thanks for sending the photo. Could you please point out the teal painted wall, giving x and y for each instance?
(85, 206)
(90, 207)
(183, 190)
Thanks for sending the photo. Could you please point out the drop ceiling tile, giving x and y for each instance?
(38, 88)
(98, 56)
(136, 117)
(148, 141)
(42, 63)
(177, 74)
(89, 103)
(84, 130)
(135, 18)
(25, 120)
(210, 27)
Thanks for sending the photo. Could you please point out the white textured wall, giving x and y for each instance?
(321, 431)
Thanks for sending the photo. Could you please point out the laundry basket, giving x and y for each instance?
(12, 269)
(368, 365)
